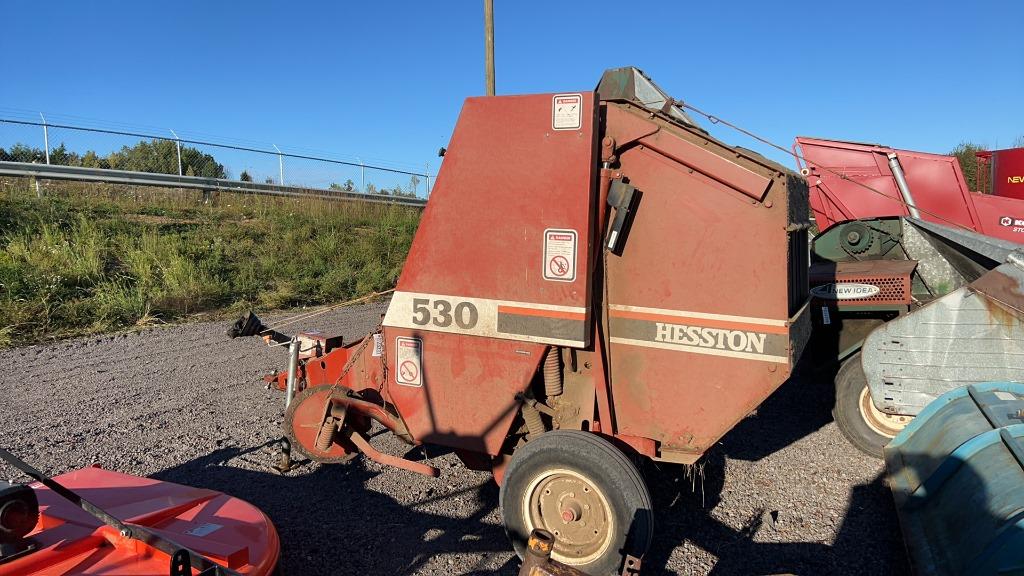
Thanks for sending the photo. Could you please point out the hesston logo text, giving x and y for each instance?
(735, 340)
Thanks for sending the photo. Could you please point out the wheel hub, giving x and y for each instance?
(887, 425)
(312, 431)
(569, 506)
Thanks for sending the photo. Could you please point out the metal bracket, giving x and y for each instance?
(631, 567)
(620, 199)
(387, 459)
(181, 565)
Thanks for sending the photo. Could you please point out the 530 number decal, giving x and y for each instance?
(442, 313)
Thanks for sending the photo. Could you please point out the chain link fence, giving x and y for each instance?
(62, 140)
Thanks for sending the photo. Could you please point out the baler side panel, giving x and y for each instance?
(506, 178)
(698, 298)
(499, 268)
(467, 387)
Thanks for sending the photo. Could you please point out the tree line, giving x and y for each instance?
(407, 192)
(156, 156)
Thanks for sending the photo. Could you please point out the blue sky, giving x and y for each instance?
(385, 80)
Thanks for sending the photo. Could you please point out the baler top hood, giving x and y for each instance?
(630, 84)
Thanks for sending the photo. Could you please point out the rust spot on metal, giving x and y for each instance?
(1003, 297)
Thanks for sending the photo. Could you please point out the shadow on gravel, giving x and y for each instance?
(864, 545)
(330, 523)
(800, 407)
(868, 540)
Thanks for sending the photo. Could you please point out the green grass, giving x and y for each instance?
(94, 258)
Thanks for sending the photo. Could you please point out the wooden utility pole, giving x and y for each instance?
(489, 44)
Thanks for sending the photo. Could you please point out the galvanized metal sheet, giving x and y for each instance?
(973, 334)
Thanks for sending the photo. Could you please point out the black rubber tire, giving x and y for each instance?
(604, 466)
(850, 382)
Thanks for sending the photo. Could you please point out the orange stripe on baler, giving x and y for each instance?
(707, 322)
(542, 313)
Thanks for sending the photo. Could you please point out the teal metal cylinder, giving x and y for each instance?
(957, 478)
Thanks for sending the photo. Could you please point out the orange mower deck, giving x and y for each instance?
(67, 540)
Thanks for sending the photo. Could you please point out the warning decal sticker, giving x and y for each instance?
(560, 255)
(566, 111)
(408, 361)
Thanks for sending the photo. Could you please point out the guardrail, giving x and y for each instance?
(56, 172)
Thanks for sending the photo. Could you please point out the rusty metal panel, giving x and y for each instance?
(507, 177)
(880, 283)
(700, 326)
(973, 334)
(463, 395)
(499, 268)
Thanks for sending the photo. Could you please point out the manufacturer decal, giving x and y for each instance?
(409, 361)
(743, 337)
(526, 321)
(1010, 222)
(1015, 179)
(566, 111)
(560, 255)
(735, 340)
(845, 291)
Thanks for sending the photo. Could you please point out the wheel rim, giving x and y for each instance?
(571, 507)
(885, 424)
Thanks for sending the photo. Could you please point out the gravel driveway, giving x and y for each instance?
(782, 493)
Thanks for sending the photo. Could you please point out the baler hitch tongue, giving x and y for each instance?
(249, 324)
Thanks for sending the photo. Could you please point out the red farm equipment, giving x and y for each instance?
(853, 180)
(906, 267)
(101, 523)
(1001, 172)
(571, 302)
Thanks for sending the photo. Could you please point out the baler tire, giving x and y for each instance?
(850, 383)
(588, 459)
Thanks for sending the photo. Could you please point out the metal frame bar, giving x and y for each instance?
(77, 173)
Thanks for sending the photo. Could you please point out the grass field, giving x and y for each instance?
(90, 258)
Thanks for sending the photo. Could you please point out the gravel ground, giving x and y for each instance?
(782, 493)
